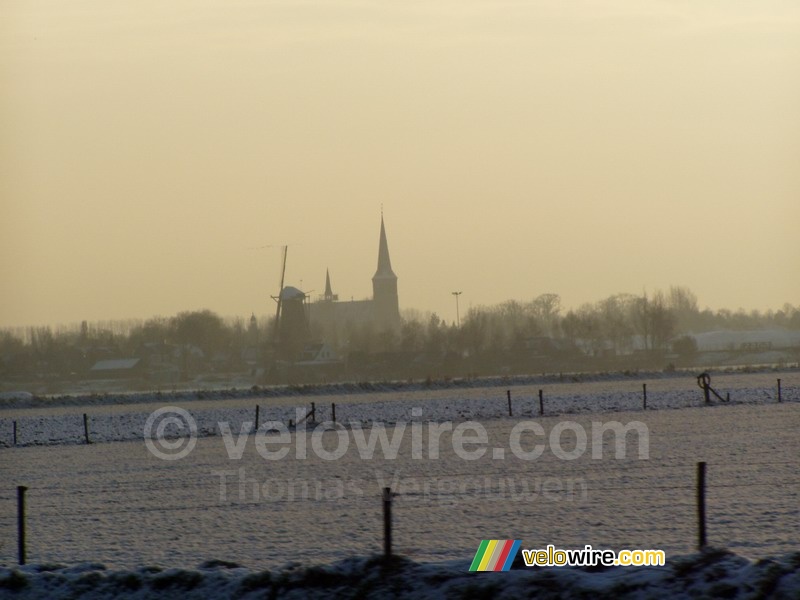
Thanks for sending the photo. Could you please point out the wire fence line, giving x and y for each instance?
(76, 428)
(52, 509)
(752, 490)
(104, 490)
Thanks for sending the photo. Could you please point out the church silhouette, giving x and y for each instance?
(310, 332)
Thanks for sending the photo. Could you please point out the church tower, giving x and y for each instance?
(385, 305)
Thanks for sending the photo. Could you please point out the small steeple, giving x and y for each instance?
(329, 296)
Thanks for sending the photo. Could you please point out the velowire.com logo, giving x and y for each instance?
(495, 555)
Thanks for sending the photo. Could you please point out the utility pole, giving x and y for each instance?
(458, 317)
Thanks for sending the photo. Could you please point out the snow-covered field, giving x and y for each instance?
(122, 417)
(713, 574)
(114, 503)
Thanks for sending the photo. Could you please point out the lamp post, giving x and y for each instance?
(458, 317)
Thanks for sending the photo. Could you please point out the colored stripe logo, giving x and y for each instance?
(495, 555)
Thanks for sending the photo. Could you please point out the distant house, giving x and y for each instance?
(319, 362)
(319, 353)
(118, 368)
(725, 347)
(747, 341)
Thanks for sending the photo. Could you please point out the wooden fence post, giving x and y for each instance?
(21, 489)
(15, 433)
(333, 411)
(257, 410)
(387, 523)
(701, 505)
(644, 396)
(86, 428)
(313, 413)
(779, 390)
(705, 384)
(541, 403)
(508, 395)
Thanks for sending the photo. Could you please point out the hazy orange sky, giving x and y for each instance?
(149, 150)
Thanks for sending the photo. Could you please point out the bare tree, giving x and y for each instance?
(546, 309)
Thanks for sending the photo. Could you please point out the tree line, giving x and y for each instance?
(488, 336)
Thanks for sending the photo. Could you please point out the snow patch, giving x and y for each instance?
(714, 573)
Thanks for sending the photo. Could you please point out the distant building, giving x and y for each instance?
(385, 303)
(329, 314)
(293, 330)
(120, 368)
(250, 354)
(382, 311)
(747, 341)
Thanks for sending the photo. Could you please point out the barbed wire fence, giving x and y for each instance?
(426, 514)
(423, 516)
(88, 428)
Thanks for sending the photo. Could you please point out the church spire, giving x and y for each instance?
(328, 291)
(385, 306)
(384, 262)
